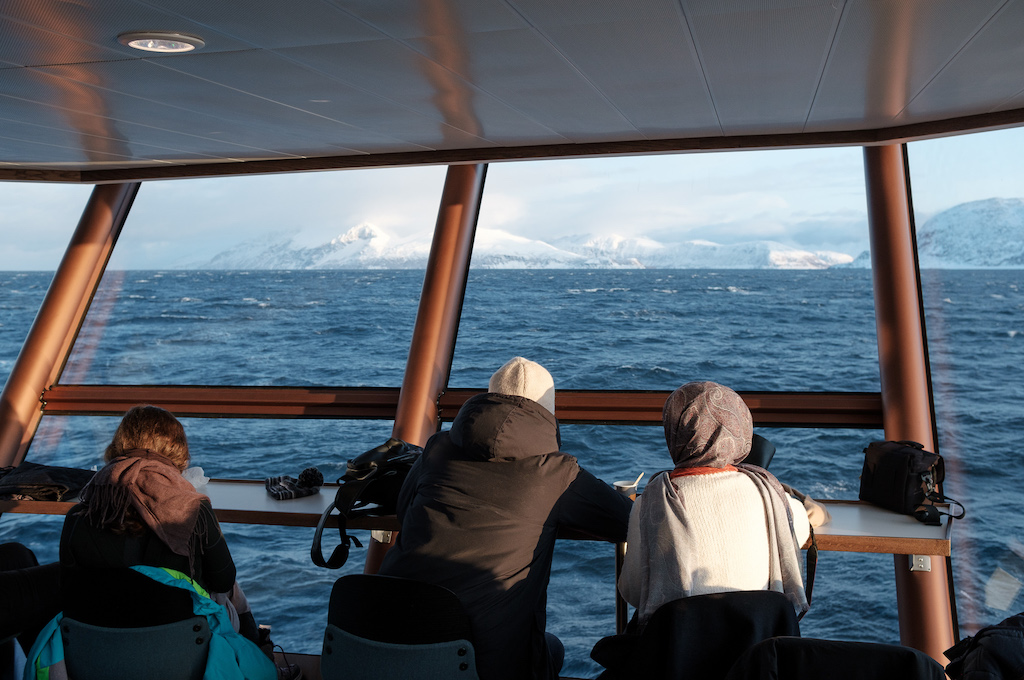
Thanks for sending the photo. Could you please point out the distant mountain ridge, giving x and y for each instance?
(979, 234)
(369, 247)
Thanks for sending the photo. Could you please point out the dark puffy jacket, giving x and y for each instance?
(479, 513)
(993, 652)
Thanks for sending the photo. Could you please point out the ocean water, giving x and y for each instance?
(593, 329)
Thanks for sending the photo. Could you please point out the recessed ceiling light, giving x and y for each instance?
(167, 42)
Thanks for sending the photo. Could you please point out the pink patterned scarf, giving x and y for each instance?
(153, 486)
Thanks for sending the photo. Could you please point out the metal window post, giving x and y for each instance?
(437, 319)
(49, 342)
(923, 597)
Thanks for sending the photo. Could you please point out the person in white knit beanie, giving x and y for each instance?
(480, 512)
(521, 377)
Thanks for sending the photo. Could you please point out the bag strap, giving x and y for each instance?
(936, 497)
(348, 494)
(929, 514)
(812, 566)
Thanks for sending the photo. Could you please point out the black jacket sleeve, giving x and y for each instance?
(218, 568)
(595, 508)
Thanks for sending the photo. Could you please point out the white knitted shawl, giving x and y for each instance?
(668, 536)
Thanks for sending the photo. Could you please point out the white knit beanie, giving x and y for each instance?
(524, 378)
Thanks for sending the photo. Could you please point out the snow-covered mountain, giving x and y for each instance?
(362, 247)
(369, 247)
(976, 235)
(987, 233)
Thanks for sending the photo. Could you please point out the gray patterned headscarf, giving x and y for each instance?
(707, 425)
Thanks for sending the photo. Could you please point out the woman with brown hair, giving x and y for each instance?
(139, 510)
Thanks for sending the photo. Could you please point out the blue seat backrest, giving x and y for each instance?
(172, 651)
(430, 640)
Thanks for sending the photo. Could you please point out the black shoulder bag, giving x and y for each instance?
(903, 477)
(374, 477)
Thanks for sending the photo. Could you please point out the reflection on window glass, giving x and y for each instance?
(643, 273)
(37, 222)
(309, 279)
(21, 293)
(969, 202)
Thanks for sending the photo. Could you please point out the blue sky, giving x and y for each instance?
(810, 198)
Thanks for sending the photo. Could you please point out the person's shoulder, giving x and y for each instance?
(564, 458)
(709, 477)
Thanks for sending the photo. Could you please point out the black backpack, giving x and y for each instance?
(372, 478)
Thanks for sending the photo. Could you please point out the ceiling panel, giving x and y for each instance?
(272, 24)
(1014, 102)
(984, 76)
(287, 91)
(404, 19)
(886, 52)
(147, 93)
(87, 30)
(27, 45)
(107, 120)
(651, 39)
(100, 136)
(426, 84)
(483, 78)
(763, 65)
(63, 148)
(521, 70)
(580, 13)
(60, 148)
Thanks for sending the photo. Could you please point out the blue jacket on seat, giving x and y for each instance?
(231, 656)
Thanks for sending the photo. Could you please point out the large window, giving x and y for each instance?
(282, 280)
(969, 204)
(644, 273)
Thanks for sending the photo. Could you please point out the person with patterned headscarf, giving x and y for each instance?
(714, 523)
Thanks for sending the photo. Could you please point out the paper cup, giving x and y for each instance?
(626, 488)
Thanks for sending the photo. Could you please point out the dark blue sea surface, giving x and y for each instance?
(593, 329)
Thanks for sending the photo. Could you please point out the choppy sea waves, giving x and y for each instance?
(594, 329)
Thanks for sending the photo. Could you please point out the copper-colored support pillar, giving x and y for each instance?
(923, 597)
(437, 320)
(53, 332)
